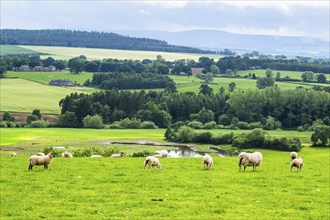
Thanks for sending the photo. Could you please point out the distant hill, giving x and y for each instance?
(86, 39)
(219, 40)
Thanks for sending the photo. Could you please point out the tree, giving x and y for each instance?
(94, 121)
(215, 70)
(208, 77)
(8, 117)
(163, 69)
(321, 133)
(68, 120)
(3, 70)
(91, 67)
(185, 134)
(269, 73)
(205, 89)
(321, 78)
(264, 82)
(224, 120)
(37, 113)
(205, 115)
(278, 76)
(76, 65)
(307, 76)
(232, 86)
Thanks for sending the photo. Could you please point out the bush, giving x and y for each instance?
(68, 120)
(300, 129)
(94, 121)
(204, 137)
(130, 123)
(195, 124)
(144, 153)
(210, 125)
(3, 124)
(38, 124)
(271, 124)
(148, 125)
(184, 134)
(222, 139)
(87, 152)
(115, 125)
(224, 120)
(243, 125)
(12, 124)
(254, 125)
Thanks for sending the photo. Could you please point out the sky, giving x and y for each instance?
(283, 18)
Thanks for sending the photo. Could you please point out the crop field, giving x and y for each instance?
(19, 95)
(82, 188)
(66, 53)
(11, 49)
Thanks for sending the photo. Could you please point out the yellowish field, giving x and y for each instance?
(65, 53)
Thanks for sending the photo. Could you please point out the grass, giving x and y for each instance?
(11, 49)
(66, 53)
(19, 95)
(46, 77)
(261, 72)
(86, 188)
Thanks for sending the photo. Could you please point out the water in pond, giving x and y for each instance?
(183, 152)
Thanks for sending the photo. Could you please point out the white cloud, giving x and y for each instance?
(143, 12)
(167, 4)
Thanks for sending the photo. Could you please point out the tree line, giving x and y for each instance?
(94, 39)
(267, 108)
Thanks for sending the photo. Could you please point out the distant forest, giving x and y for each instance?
(69, 38)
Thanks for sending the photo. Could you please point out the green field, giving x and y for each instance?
(284, 73)
(19, 95)
(89, 188)
(66, 53)
(11, 49)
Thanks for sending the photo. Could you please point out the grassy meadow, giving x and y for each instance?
(89, 188)
(66, 53)
(19, 95)
(11, 49)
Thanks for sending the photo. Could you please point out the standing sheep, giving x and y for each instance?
(207, 161)
(163, 153)
(40, 154)
(117, 155)
(13, 154)
(152, 161)
(298, 162)
(67, 154)
(36, 160)
(249, 159)
(293, 155)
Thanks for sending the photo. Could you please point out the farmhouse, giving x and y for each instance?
(26, 68)
(61, 82)
(197, 71)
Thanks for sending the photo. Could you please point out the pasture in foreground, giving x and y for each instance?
(89, 188)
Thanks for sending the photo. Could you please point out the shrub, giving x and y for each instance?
(8, 117)
(204, 137)
(115, 125)
(210, 125)
(243, 125)
(224, 120)
(148, 125)
(94, 121)
(144, 153)
(184, 134)
(222, 139)
(68, 120)
(300, 129)
(87, 152)
(177, 125)
(12, 124)
(38, 124)
(321, 133)
(32, 118)
(254, 125)
(130, 123)
(3, 124)
(195, 124)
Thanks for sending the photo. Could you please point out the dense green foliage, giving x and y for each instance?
(93, 39)
(291, 108)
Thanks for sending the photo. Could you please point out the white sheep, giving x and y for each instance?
(67, 154)
(117, 155)
(96, 156)
(249, 159)
(293, 155)
(207, 161)
(152, 161)
(36, 160)
(40, 154)
(163, 153)
(298, 162)
(157, 156)
(13, 154)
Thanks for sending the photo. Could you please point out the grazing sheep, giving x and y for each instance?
(157, 156)
(13, 154)
(67, 154)
(207, 161)
(163, 153)
(117, 155)
(293, 155)
(40, 154)
(152, 161)
(298, 162)
(96, 156)
(36, 160)
(249, 159)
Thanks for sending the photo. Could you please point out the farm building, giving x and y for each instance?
(61, 82)
(26, 68)
(196, 71)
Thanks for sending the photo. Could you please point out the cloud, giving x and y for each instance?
(167, 4)
(143, 12)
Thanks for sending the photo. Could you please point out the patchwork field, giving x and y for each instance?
(82, 188)
(66, 53)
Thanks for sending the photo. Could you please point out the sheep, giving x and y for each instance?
(40, 154)
(163, 153)
(13, 154)
(249, 159)
(96, 156)
(152, 161)
(293, 155)
(117, 155)
(36, 160)
(207, 161)
(157, 156)
(67, 154)
(298, 162)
